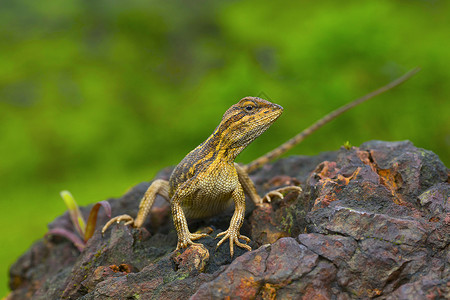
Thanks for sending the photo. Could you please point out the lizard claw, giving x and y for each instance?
(278, 193)
(234, 238)
(128, 221)
(272, 194)
(186, 241)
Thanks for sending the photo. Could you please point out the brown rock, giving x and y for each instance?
(372, 221)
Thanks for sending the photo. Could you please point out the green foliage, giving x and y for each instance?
(83, 231)
(347, 145)
(96, 96)
(74, 211)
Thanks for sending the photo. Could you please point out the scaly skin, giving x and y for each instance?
(205, 182)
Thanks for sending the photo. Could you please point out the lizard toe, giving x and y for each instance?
(196, 236)
(278, 192)
(186, 243)
(129, 221)
(234, 239)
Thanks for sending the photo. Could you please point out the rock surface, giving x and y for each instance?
(372, 221)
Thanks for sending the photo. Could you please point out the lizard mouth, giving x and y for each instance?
(272, 115)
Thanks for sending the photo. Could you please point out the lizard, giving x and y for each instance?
(208, 180)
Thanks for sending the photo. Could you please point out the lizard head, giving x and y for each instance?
(246, 120)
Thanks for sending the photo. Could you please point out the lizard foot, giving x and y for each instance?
(188, 239)
(278, 193)
(234, 237)
(128, 221)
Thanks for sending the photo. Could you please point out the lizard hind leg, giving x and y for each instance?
(158, 187)
(250, 190)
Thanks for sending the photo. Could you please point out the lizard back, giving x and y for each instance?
(209, 170)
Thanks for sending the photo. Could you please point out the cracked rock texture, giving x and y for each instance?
(372, 222)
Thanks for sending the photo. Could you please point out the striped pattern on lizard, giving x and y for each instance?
(208, 180)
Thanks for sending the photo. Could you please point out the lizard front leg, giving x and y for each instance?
(232, 233)
(185, 237)
(250, 190)
(160, 187)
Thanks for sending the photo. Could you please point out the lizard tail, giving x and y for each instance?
(277, 152)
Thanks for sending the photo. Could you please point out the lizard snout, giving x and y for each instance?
(277, 107)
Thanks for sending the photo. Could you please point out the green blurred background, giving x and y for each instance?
(97, 96)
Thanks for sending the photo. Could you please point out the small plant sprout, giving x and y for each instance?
(84, 230)
(347, 145)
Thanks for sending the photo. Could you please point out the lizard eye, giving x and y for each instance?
(248, 106)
